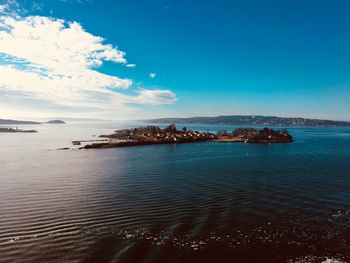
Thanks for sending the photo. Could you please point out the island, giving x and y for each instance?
(171, 135)
(11, 130)
(56, 122)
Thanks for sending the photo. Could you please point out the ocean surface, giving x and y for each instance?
(196, 202)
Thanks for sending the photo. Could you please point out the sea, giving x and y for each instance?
(193, 202)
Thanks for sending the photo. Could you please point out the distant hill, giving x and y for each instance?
(56, 122)
(254, 120)
(16, 122)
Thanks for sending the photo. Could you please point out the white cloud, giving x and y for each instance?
(131, 65)
(50, 60)
(52, 44)
(156, 97)
(152, 75)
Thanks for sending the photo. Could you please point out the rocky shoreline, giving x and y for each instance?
(150, 135)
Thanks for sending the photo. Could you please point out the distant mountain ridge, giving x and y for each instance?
(258, 120)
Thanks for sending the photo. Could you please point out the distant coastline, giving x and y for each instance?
(239, 120)
(253, 120)
(19, 122)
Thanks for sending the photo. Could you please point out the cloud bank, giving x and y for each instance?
(55, 62)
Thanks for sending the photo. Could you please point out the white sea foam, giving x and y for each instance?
(332, 260)
(308, 259)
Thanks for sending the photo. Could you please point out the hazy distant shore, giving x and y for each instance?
(254, 120)
(20, 122)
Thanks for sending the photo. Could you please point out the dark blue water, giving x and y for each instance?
(198, 202)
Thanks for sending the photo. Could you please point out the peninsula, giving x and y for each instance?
(171, 135)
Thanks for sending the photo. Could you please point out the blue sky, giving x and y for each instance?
(284, 58)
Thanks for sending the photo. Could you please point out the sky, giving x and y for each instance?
(126, 59)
